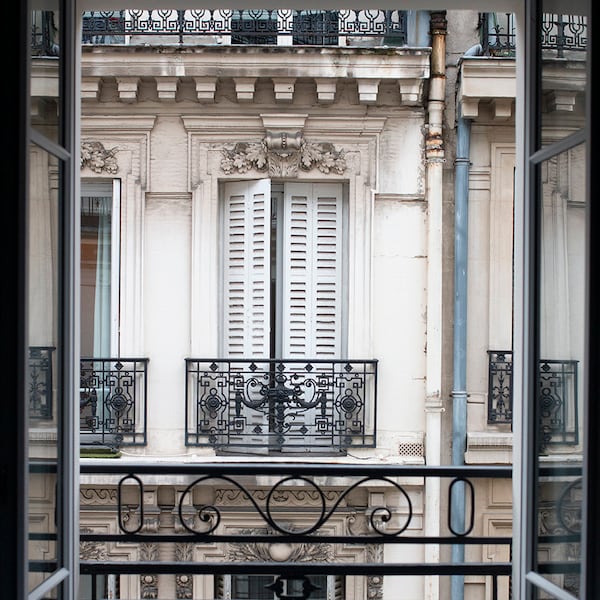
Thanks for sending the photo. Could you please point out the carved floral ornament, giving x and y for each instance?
(282, 154)
(95, 156)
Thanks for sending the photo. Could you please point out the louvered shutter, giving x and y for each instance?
(312, 271)
(246, 299)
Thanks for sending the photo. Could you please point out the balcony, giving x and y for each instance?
(558, 397)
(263, 27)
(41, 382)
(560, 34)
(112, 401)
(281, 405)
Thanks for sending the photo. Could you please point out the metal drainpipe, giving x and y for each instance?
(459, 387)
(435, 158)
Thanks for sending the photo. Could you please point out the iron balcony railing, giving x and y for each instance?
(41, 382)
(112, 401)
(203, 503)
(559, 33)
(208, 26)
(558, 397)
(281, 405)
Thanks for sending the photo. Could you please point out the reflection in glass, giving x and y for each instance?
(563, 42)
(45, 70)
(562, 338)
(42, 385)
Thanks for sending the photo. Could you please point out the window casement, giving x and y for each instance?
(99, 287)
(283, 270)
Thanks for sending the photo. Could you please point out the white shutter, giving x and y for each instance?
(246, 295)
(312, 271)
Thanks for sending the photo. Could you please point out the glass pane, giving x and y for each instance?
(43, 381)
(561, 367)
(563, 43)
(45, 69)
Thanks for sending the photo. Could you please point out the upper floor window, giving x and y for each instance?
(283, 270)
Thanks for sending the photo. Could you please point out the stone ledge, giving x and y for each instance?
(485, 447)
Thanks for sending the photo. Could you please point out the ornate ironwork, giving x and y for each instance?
(557, 400)
(559, 33)
(500, 389)
(40, 382)
(112, 401)
(201, 518)
(283, 405)
(306, 27)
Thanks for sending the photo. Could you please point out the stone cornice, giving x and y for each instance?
(168, 67)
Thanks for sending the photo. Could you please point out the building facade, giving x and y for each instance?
(276, 234)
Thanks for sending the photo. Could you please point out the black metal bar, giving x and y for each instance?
(98, 466)
(293, 569)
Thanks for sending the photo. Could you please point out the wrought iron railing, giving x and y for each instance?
(41, 382)
(559, 33)
(112, 401)
(558, 405)
(309, 508)
(304, 27)
(296, 405)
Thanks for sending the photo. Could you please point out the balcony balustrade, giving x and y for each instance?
(558, 397)
(112, 401)
(208, 26)
(41, 382)
(560, 34)
(281, 405)
(203, 503)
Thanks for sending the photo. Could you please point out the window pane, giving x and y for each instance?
(43, 361)
(46, 69)
(561, 367)
(563, 42)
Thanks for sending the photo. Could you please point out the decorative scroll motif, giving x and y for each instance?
(112, 401)
(97, 496)
(375, 582)
(278, 552)
(291, 498)
(148, 582)
(92, 550)
(382, 520)
(184, 583)
(96, 157)
(282, 155)
(290, 405)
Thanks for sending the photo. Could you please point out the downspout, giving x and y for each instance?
(459, 385)
(435, 157)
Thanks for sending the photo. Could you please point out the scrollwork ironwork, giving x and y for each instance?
(285, 405)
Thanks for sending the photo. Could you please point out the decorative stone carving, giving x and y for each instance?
(98, 496)
(375, 582)
(282, 154)
(96, 157)
(278, 551)
(92, 550)
(184, 583)
(235, 497)
(149, 583)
